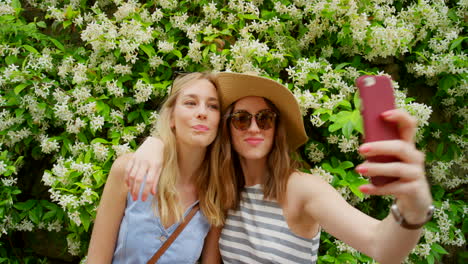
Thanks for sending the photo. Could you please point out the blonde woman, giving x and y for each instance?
(276, 213)
(188, 125)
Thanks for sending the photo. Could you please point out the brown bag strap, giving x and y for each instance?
(174, 235)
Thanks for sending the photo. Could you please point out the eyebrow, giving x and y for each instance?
(241, 109)
(196, 97)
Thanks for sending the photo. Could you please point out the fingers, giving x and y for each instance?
(404, 151)
(128, 169)
(157, 173)
(406, 172)
(152, 176)
(397, 188)
(407, 124)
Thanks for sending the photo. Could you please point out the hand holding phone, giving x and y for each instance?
(376, 94)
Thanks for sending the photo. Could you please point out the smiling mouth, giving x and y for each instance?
(201, 128)
(254, 141)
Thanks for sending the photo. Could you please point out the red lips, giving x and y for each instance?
(254, 140)
(201, 128)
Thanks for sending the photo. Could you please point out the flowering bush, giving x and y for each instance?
(81, 81)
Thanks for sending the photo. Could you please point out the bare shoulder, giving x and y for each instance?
(307, 185)
(119, 165)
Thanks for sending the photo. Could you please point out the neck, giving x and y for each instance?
(254, 171)
(190, 160)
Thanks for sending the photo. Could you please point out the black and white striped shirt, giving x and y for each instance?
(258, 233)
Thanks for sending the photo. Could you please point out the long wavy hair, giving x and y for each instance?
(167, 203)
(279, 163)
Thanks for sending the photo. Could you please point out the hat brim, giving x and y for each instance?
(234, 86)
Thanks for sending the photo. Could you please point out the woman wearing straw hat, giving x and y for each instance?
(275, 213)
(129, 231)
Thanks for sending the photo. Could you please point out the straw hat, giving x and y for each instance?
(234, 86)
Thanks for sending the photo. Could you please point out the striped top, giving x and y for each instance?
(258, 233)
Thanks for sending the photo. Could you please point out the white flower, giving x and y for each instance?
(114, 89)
(194, 51)
(2, 167)
(47, 145)
(314, 153)
(217, 61)
(74, 126)
(325, 175)
(25, 225)
(155, 61)
(54, 226)
(123, 69)
(121, 149)
(97, 122)
(100, 151)
(143, 91)
(348, 145)
(48, 179)
(74, 244)
(9, 181)
(165, 46)
(79, 75)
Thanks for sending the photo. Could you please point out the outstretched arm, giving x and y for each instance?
(146, 161)
(386, 240)
(109, 215)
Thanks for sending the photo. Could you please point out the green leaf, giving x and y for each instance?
(346, 258)
(24, 206)
(342, 65)
(85, 219)
(148, 49)
(67, 23)
(327, 258)
(247, 16)
(99, 140)
(16, 4)
(57, 44)
(457, 42)
(439, 249)
(11, 59)
(20, 87)
(132, 116)
(334, 127)
(36, 214)
(447, 82)
(357, 100)
(145, 116)
(107, 78)
(48, 215)
(348, 129)
(177, 53)
(346, 165)
(82, 137)
(30, 49)
(440, 149)
(88, 156)
(41, 24)
(430, 259)
(98, 177)
(356, 119)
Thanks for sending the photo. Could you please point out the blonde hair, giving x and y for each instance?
(169, 207)
(279, 163)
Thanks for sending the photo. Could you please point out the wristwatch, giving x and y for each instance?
(400, 219)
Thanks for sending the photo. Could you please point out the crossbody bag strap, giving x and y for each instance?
(174, 235)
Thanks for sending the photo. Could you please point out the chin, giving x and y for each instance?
(254, 155)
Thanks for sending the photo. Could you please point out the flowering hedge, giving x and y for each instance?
(81, 81)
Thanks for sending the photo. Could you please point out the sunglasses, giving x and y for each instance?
(242, 120)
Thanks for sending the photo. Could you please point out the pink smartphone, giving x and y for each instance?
(376, 94)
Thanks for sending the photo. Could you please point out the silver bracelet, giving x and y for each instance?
(400, 219)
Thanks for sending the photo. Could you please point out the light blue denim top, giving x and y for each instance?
(141, 234)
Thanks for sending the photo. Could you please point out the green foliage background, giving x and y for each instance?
(81, 81)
